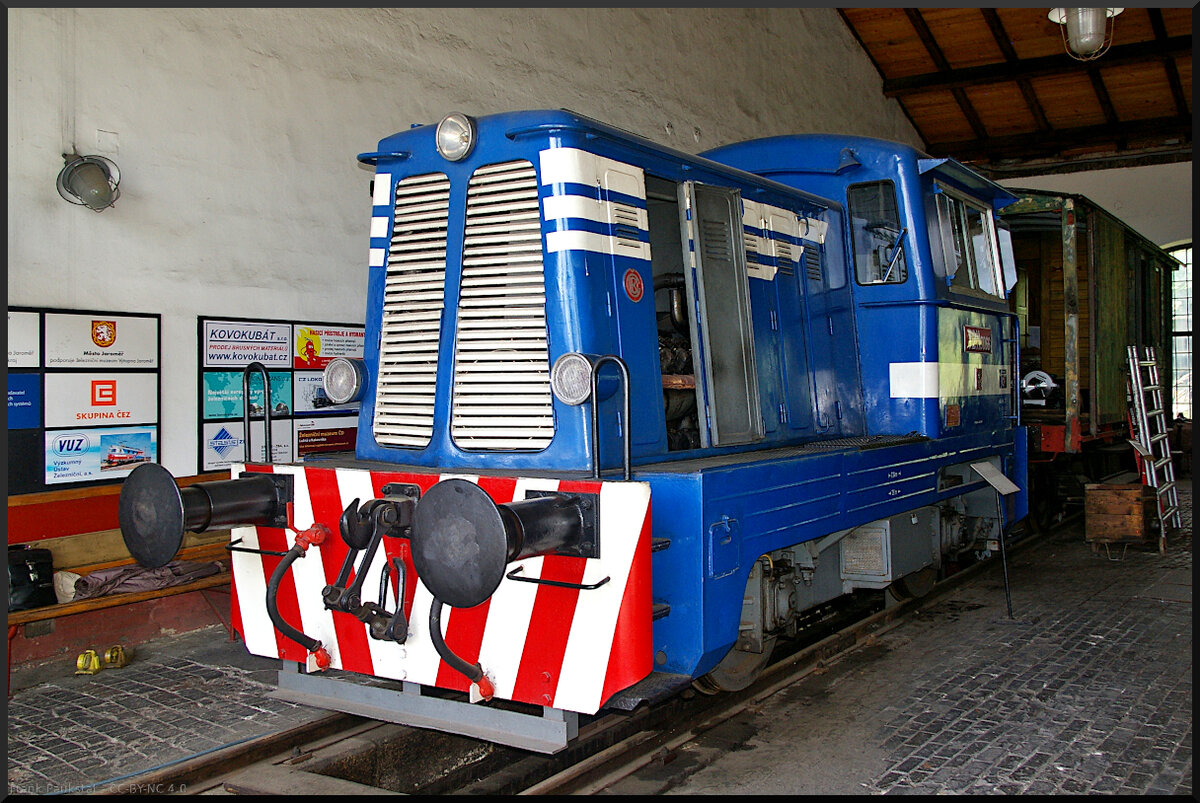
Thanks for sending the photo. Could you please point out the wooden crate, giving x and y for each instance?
(1119, 514)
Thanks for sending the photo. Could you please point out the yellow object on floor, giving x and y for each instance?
(88, 663)
(114, 657)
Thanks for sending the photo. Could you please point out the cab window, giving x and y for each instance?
(968, 238)
(879, 256)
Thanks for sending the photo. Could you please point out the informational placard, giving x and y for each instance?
(223, 391)
(82, 455)
(24, 339)
(294, 353)
(317, 345)
(101, 341)
(24, 401)
(311, 396)
(315, 435)
(83, 396)
(223, 443)
(239, 343)
(88, 399)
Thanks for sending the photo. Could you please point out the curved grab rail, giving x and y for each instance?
(258, 366)
(625, 422)
(372, 157)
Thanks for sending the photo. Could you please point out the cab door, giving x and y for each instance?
(718, 293)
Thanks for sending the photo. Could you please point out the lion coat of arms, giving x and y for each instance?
(104, 333)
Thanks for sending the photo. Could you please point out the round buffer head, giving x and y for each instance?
(459, 543)
(151, 515)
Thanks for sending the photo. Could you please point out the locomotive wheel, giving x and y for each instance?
(915, 585)
(736, 671)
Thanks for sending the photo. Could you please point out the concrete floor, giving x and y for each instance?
(1087, 689)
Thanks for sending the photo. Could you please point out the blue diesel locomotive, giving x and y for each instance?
(626, 414)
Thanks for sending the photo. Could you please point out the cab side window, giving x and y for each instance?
(878, 237)
(969, 244)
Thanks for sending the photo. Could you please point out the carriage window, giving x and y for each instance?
(968, 238)
(879, 256)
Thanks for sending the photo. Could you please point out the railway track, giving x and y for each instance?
(343, 754)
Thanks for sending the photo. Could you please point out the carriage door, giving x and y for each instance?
(719, 296)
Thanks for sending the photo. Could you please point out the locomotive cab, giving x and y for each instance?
(930, 258)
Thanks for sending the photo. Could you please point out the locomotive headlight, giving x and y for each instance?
(343, 380)
(455, 136)
(571, 378)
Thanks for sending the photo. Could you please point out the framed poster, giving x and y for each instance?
(316, 345)
(24, 339)
(294, 354)
(81, 455)
(83, 396)
(316, 435)
(239, 343)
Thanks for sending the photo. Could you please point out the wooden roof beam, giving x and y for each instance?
(1043, 144)
(1158, 51)
(939, 59)
(1010, 55)
(1110, 113)
(1160, 35)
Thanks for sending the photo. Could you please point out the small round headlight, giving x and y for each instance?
(571, 378)
(343, 380)
(455, 136)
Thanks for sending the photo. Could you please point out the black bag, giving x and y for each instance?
(30, 578)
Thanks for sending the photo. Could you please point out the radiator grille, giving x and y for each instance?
(863, 552)
(412, 312)
(501, 360)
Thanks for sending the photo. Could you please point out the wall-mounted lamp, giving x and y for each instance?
(89, 181)
(1087, 32)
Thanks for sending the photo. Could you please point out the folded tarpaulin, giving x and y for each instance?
(120, 579)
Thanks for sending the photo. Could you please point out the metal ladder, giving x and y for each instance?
(1150, 431)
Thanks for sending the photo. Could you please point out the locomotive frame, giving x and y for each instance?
(539, 283)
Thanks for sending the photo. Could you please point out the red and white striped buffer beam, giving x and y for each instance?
(547, 645)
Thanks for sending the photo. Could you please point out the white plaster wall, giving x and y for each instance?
(236, 132)
(1153, 200)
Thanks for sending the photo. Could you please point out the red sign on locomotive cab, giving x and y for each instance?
(633, 285)
(977, 339)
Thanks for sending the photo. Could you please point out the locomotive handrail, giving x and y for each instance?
(908, 302)
(625, 422)
(232, 546)
(266, 408)
(1016, 369)
(937, 302)
(560, 583)
(542, 128)
(372, 157)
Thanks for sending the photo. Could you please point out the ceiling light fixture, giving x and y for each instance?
(1087, 32)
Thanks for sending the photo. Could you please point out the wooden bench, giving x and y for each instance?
(79, 524)
(203, 552)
